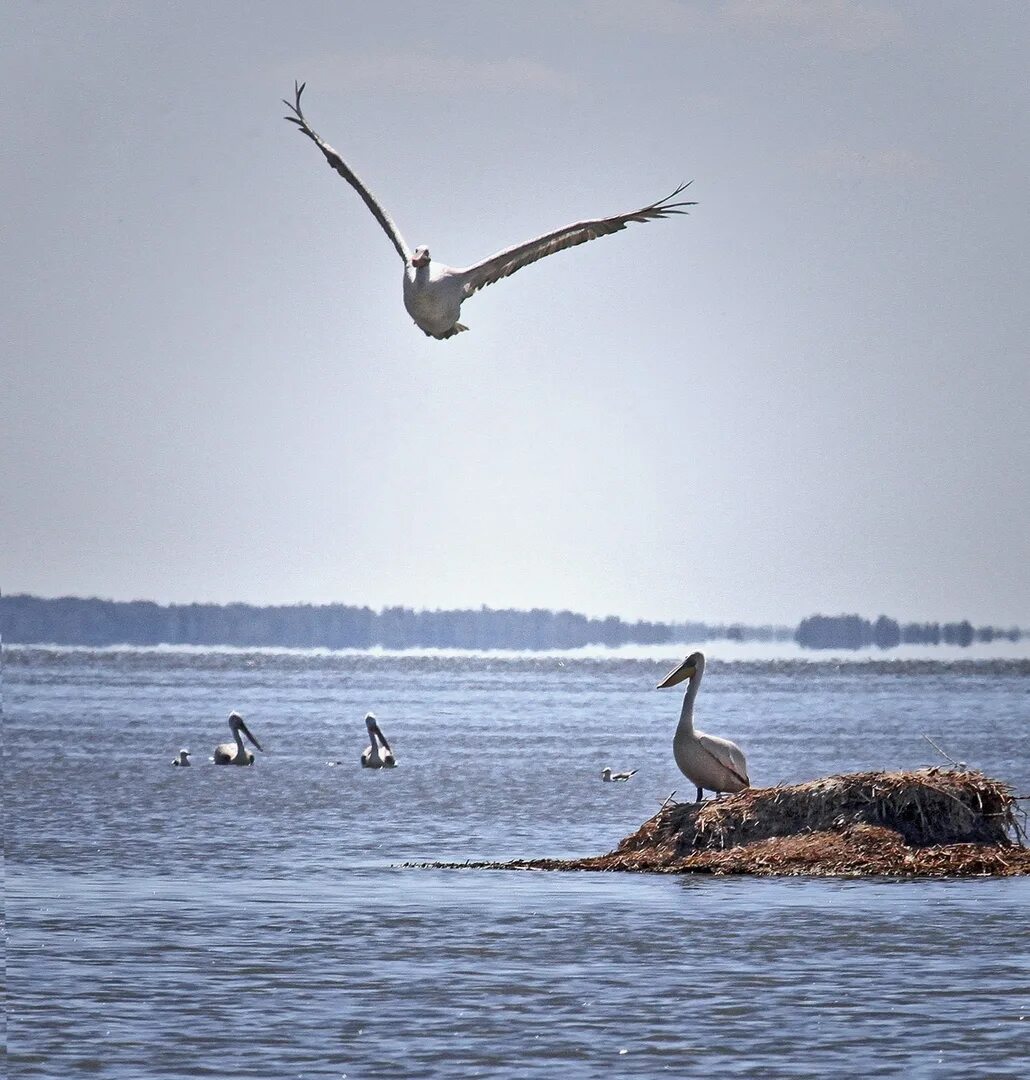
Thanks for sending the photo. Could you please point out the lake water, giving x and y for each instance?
(209, 921)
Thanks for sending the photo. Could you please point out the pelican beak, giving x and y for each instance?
(246, 731)
(677, 675)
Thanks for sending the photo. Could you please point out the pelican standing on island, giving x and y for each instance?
(235, 753)
(434, 292)
(706, 760)
(378, 755)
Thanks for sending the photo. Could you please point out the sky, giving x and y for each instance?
(809, 395)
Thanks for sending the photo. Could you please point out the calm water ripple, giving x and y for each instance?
(205, 922)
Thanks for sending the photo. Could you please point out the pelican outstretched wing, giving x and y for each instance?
(514, 258)
(347, 173)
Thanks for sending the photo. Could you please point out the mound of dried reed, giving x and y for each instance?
(927, 807)
(931, 822)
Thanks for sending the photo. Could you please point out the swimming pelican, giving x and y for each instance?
(183, 758)
(373, 756)
(434, 292)
(609, 777)
(706, 760)
(235, 753)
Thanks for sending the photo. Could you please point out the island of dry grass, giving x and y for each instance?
(928, 823)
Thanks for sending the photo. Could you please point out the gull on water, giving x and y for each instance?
(610, 777)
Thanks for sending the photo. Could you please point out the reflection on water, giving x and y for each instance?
(178, 922)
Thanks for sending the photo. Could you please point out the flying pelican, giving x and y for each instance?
(373, 756)
(235, 753)
(706, 760)
(183, 758)
(608, 776)
(433, 292)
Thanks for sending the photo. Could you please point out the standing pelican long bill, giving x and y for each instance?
(235, 753)
(434, 292)
(706, 760)
(378, 755)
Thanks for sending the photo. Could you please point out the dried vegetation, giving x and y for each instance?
(928, 823)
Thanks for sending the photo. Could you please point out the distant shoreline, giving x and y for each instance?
(96, 623)
(718, 652)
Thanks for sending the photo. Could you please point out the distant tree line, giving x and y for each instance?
(75, 621)
(71, 620)
(854, 632)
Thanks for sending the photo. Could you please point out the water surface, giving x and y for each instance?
(176, 922)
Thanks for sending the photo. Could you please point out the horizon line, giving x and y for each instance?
(483, 607)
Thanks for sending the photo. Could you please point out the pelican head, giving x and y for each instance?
(375, 732)
(421, 257)
(693, 665)
(236, 723)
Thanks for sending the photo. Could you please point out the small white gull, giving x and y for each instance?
(609, 777)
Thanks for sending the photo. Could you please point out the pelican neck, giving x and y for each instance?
(686, 724)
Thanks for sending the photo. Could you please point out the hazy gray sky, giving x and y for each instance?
(811, 394)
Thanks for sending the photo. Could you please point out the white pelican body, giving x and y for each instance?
(433, 296)
(709, 762)
(378, 755)
(433, 292)
(235, 753)
(183, 758)
(610, 777)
